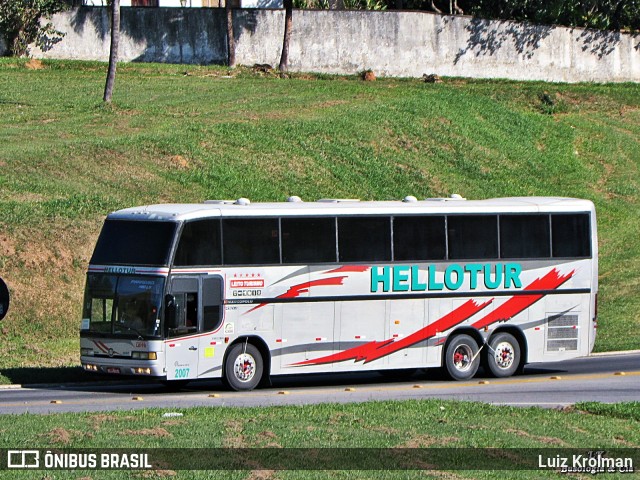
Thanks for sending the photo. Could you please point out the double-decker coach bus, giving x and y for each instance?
(241, 291)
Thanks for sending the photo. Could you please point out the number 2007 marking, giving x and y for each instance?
(182, 372)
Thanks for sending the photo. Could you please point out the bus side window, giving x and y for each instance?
(364, 239)
(472, 236)
(191, 314)
(199, 244)
(211, 303)
(253, 241)
(571, 235)
(186, 315)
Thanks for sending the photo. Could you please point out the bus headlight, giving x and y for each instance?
(144, 355)
(142, 371)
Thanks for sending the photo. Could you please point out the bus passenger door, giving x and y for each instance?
(211, 351)
(181, 329)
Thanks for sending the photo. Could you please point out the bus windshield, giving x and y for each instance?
(123, 305)
(126, 242)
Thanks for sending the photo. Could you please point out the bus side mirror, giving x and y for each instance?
(170, 311)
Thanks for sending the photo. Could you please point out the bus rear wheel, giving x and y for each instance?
(461, 357)
(244, 367)
(502, 357)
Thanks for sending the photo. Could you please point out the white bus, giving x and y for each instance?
(241, 291)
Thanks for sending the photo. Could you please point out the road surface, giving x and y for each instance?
(602, 378)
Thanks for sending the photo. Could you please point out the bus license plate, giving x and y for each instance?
(113, 370)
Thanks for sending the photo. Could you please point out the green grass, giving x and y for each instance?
(410, 424)
(180, 133)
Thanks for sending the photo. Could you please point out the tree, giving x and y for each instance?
(113, 51)
(231, 42)
(20, 24)
(288, 22)
(598, 14)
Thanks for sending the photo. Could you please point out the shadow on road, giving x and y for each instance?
(75, 378)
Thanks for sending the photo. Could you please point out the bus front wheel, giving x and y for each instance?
(461, 357)
(243, 367)
(502, 357)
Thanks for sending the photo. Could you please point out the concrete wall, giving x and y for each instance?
(390, 43)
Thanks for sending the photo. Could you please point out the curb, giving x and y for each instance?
(10, 387)
(106, 383)
(609, 354)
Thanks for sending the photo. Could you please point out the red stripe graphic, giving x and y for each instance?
(373, 350)
(350, 269)
(515, 305)
(297, 290)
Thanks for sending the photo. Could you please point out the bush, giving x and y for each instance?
(20, 24)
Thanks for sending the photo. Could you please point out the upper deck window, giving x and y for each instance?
(251, 241)
(199, 244)
(524, 236)
(419, 238)
(127, 242)
(571, 235)
(364, 239)
(308, 240)
(473, 236)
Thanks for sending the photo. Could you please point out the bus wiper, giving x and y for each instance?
(140, 337)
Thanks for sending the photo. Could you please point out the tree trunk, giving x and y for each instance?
(288, 21)
(113, 53)
(231, 42)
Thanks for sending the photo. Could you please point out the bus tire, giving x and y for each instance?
(244, 367)
(461, 357)
(502, 355)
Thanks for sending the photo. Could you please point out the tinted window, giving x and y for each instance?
(571, 235)
(473, 236)
(211, 303)
(199, 244)
(250, 241)
(308, 240)
(524, 236)
(419, 238)
(125, 242)
(364, 239)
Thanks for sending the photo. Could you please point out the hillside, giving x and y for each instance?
(187, 133)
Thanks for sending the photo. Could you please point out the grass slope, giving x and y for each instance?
(188, 133)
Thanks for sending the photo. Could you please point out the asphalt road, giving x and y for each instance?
(602, 378)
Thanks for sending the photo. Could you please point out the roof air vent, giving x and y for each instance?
(409, 199)
(242, 201)
(294, 199)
